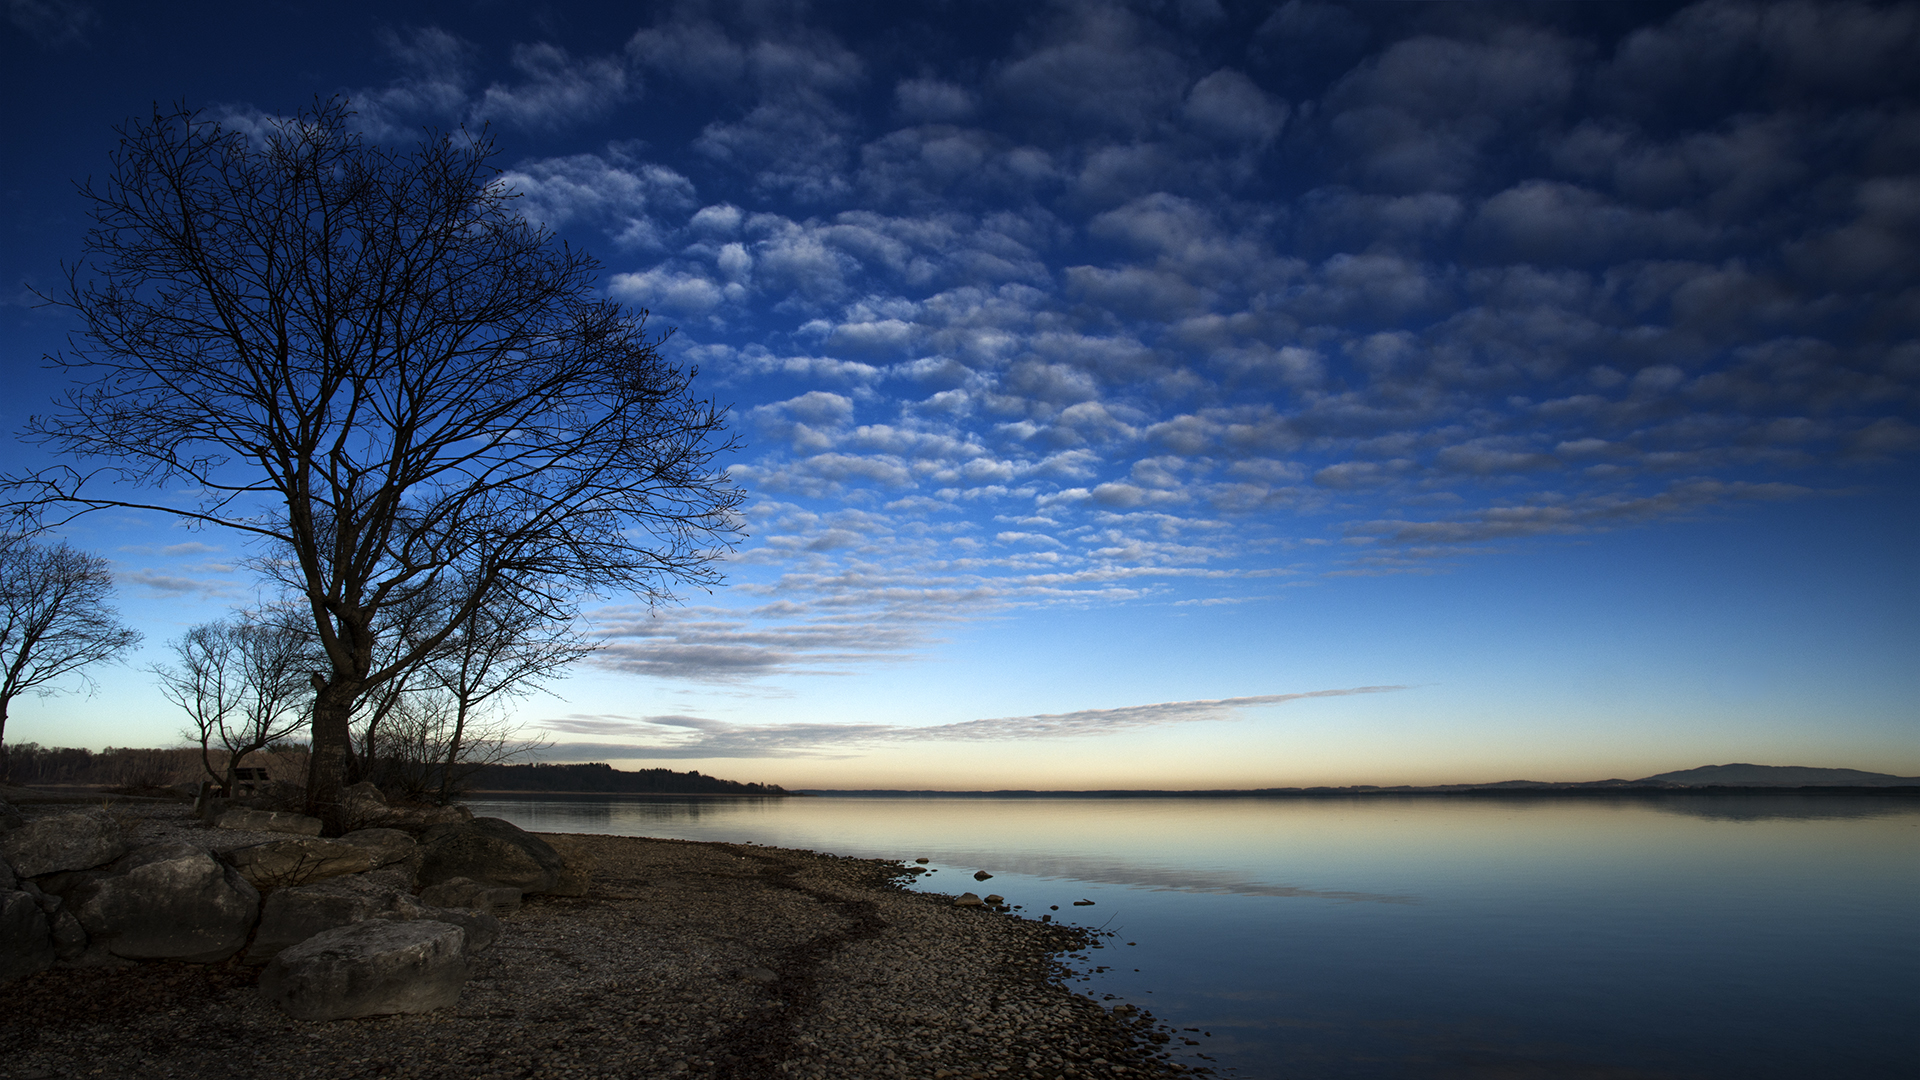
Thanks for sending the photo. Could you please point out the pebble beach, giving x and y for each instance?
(682, 959)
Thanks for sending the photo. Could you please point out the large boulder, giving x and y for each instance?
(298, 861)
(291, 916)
(383, 846)
(496, 852)
(363, 807)
(369, 969)
(468, 894)
(59, 842)
(269, 821)
(26, 944)
(167, 902)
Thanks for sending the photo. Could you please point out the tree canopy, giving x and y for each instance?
(363, 358)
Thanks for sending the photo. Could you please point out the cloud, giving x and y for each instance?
(52, 23)
(163, 584)
(697, 737)
(555, 89)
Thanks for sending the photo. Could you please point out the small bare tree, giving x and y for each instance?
(243, 685)
(430, 746)
(366, 359)
(54, 619)
(503, 649)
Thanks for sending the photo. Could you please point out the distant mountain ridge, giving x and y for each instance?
(1742, 775)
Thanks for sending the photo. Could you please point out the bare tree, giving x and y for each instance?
(364, 358)
(504, 648)
(243, 685)
(54, 619)
(430, 746)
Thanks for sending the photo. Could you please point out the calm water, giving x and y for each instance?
(1771, 936)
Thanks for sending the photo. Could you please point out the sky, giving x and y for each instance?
(1159, 394)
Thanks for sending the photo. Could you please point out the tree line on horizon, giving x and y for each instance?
(140, 769)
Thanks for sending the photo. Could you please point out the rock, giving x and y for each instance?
(74, 841)
(496, 852)
(291, 916)
(70, 939)
(299, 861)
(383, 846)
(10, 818)
(8, 879)
(501, 900)
(481, 927)
(26, 944)
(967, 899)
(269, 821)
(167, 902)
(981, 875)
(923, 862)
(369, 969)
(362, 806)
(995, 898)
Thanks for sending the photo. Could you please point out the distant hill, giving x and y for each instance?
(1777, 776)
(600, 778)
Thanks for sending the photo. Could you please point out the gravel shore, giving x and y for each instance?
(682, 960)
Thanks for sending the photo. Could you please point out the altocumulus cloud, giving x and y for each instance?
(1102, 303)
(676, 736)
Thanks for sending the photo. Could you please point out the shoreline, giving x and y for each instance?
(682, 959)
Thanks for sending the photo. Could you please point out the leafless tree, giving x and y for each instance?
(243, 685)
(364, 358)
(430, 745)
(54, 619)
(504, 648)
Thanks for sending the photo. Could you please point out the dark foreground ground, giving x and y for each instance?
(683, 960)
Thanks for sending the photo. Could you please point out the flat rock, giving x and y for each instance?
(167, 902)
(493, 851)
(26, 943)
(370, 968)
(967, 899)
(269, 821)
(77, 840)
(299, 861)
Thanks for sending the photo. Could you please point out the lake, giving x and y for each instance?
(1510, 937)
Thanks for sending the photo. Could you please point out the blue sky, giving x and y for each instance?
(1164, 394)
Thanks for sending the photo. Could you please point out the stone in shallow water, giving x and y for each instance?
(981, 875)
(369, 969)
(967, 900)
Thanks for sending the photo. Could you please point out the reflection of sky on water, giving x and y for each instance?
(1728, 936)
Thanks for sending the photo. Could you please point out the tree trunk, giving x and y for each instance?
(332, 740)
(453, 752)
